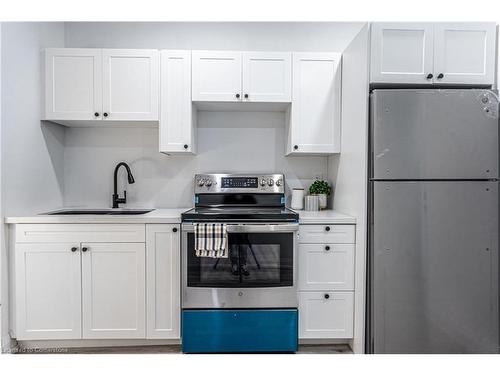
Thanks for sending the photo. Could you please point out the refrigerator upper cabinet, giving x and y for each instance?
(434, 134)
(402, 52)
(464, 53)
(435, 267)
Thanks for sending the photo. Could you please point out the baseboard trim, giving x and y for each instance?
(45, 344)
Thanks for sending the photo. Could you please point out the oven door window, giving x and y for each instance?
(255, 260)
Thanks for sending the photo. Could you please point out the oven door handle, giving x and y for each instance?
(267, 228)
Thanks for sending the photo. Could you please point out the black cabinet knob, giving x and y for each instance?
(440, 75)
(186, 147)
(73, 249)
(327, 296)
(96, 114)
(327, 247)
(327, 229)
(84, 249)
(105, 114)
(429, 76)
(174, 230)
(295, 147)
(237, 96)
(246, 96)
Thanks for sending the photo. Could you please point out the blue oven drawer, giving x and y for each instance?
(236, 331)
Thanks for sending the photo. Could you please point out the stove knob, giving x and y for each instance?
(201, 182)
(208, 183)
(262, 182)
(279, 182)
(270, 182)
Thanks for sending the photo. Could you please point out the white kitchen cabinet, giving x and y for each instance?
(85, 86)
(163, 281)
(177, 114)
(130, 84)
(464, 53)
(402, 52)
(326, 266)
(48, 291)
(113, 290)
(267, 77)
(327, 233)
(216, 76)
(314, 120)
(433, 53)
(73, 84)
(326, 314)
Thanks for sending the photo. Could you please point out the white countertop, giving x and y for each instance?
(165, 216)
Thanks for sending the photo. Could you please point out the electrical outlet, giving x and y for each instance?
(317, 176)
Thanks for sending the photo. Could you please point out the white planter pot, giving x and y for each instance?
(323, 202)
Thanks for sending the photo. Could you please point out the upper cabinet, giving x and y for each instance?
(85, 85)
(228, 76)
(433, 53)
(314, 120)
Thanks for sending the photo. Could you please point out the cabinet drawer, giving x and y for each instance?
(326, 266)
(80, 233)
(326, 315)
(326, 233)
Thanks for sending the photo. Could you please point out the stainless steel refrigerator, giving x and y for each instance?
(433, 241)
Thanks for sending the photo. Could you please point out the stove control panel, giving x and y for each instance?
(238, 183)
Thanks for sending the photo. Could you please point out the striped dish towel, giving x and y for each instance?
(210, 240)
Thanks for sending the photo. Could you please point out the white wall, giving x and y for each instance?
(349, 169)
(227, 142)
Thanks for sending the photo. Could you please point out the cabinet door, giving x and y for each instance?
(163, 281)
(402, 52)
(326, 315)
(315, 114)
(267, 77)
(48, 291)
(326, 266)
(130, 84)
(113, 288)
(176, 113)
(464, 53)
(216, 76)
(73, 88)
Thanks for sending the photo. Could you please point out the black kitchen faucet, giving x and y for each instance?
(116, 199)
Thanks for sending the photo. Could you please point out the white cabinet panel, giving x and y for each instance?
(326, 266)
(402, 52)
(130, 84)
(216, 76)
(327, 233)
(73, 88)
(163, 281)
(176, 116)
(326, 315)
(113, 289)
(48, 291)
(464, 53)
(315, 114)
(267, 76)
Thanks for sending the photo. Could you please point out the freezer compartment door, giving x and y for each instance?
(434, 134)
(434, 259)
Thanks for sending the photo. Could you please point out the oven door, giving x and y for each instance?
(259, 271)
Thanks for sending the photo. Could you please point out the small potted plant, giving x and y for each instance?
(322, 189)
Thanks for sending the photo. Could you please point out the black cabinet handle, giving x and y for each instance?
(174, 230)
(327, 247)
(84, 249)
(295, 147)
(96, 114)
(440, 75)
(73, 249)
(429, 76)
(186, 146)
(327, 229)
(327, 296)
(237, 96)
(105, 114)
(246, 96)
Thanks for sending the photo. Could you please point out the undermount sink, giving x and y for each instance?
(106, 211)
